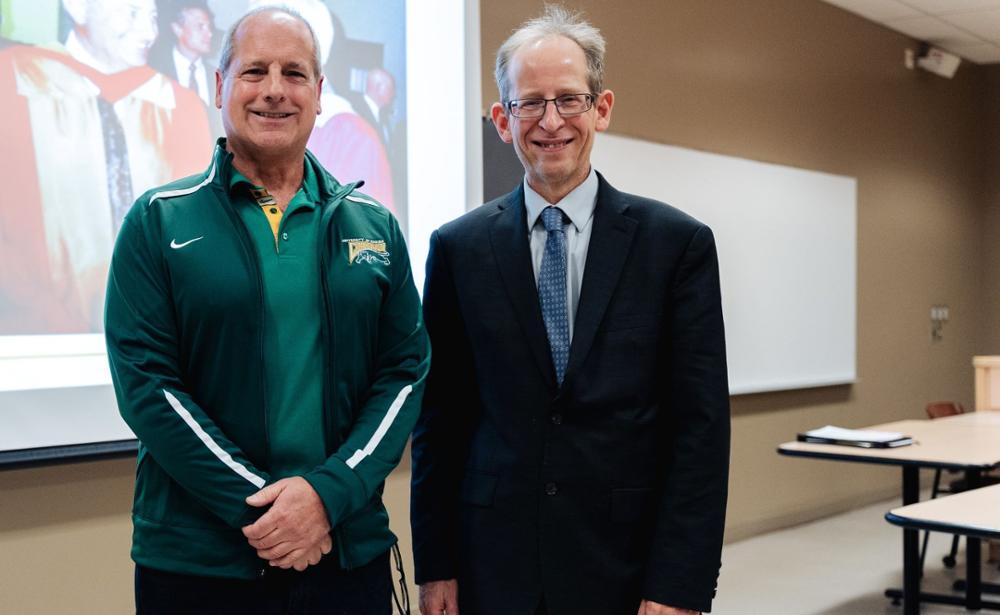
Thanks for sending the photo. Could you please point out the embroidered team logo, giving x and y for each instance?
(370, 251)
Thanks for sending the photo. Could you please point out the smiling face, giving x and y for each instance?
(554, 150)
(270, 93)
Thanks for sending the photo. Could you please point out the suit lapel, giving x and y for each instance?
(509, 239)
(610, 242)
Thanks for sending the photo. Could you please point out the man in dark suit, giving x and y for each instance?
(572, 453)
(185, 58)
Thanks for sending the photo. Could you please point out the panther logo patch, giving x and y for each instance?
(369, 251)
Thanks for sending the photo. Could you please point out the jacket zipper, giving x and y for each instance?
(251, 255)
(328, 312)
(329, 366)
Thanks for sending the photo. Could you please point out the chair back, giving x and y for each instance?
(939, 409)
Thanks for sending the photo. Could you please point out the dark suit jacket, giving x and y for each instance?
(596, 494)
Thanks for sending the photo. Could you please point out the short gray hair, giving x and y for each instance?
(226, 57)
(555, 21)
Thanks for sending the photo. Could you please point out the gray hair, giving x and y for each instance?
(226, 57)
(555, 21)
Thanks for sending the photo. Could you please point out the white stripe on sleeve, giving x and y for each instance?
(167, 194)
(212, 445)
(357, 199)
(383, 427)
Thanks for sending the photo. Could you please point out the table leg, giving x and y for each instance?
(973, 575)
(911, 545)
(973, 569)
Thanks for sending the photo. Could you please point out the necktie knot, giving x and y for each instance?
(554, 219)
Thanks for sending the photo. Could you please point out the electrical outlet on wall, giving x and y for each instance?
(939, 316)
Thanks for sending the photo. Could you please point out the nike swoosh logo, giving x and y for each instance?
(178, 246)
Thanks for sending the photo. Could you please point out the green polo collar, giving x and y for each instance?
(309, 190)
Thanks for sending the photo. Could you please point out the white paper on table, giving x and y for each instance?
(831, 432)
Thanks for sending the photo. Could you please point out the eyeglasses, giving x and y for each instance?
(566, 105)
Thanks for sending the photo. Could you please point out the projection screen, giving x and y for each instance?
(102, 102)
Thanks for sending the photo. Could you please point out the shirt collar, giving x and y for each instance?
(309, 189)
(138, 82)
(578, 205)
(184, 65)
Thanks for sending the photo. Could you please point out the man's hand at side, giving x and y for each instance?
(289, 534)
(439, 597)
(648, 607)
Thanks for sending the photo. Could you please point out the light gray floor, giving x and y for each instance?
(836, 566)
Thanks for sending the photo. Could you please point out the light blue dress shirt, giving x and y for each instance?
(578, 206)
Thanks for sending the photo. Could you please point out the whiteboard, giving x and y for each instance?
(787, 242)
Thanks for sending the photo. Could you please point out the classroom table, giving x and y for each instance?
(967, 442)
(970, 513)
(974, 514)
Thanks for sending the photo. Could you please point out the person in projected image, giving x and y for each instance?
(380, 94)
(572, 453)
(88, 126)
(184, 49)
(186, 60)
(267, 348)
(342, 140)
(379, 109)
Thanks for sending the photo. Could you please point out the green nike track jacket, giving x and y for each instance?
(184, 319)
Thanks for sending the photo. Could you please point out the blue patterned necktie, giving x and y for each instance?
(552, 288)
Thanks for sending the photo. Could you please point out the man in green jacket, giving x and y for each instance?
(267, 349)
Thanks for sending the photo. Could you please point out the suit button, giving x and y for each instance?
(551, 489)
(556, 419)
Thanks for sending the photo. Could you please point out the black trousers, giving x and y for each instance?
(322, 589)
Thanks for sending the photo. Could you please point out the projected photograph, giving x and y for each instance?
(105, 99)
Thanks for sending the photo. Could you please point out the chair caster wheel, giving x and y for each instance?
(896, 602)
(949, 561)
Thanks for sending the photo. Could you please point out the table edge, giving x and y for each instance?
(937, 526)
(882, 460)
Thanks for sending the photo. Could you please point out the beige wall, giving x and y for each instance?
(65, 535)
(64, 539)
(807, 85)
(989, 342)
(794, 82)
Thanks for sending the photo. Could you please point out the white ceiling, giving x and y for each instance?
(968, 28)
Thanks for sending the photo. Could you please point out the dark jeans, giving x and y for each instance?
(322, 589)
